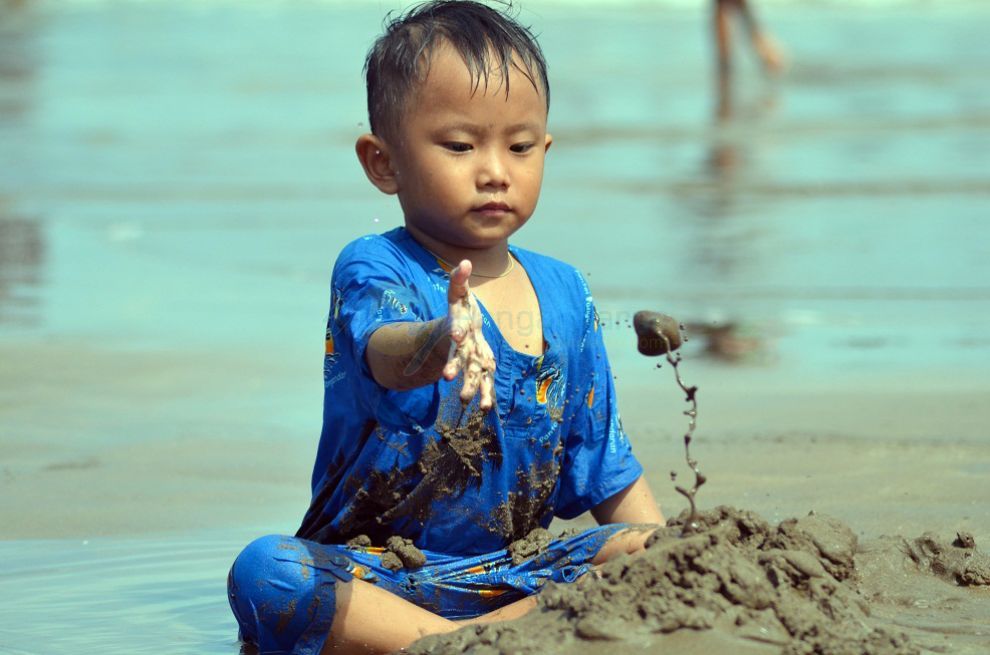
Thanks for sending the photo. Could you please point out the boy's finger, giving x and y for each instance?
(487, 399)
(453, 365)
(458, 287)
(487, 356)
(470, 383)
(463, 271)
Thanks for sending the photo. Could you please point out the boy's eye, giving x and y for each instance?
(457, 146)
(521, 147)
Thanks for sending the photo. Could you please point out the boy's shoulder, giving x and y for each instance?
(391, 249)
(386, 242)
(564, 275)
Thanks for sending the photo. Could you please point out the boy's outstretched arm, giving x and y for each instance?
(408, 355)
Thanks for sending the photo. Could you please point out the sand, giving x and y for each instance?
(735, 583)
(883, 466)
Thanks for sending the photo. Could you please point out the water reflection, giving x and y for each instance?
(730, 239)
(22, 243)
(22, 256)
(18, 70)
(733, 341)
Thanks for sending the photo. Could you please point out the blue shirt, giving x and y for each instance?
(398, 462)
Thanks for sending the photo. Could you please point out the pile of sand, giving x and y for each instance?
(736, 585)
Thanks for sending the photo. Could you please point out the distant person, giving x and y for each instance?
(763, 44)
(468, 395)
(770, 54)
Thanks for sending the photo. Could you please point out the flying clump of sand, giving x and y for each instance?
(736, 584)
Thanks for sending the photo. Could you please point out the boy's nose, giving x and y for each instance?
(493, 174)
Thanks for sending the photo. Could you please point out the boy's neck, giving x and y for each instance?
(489, 262)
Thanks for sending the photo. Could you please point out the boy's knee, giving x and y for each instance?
(272, 561)
(277, 596)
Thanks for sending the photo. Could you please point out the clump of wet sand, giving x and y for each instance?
(401, 553)
(958, 561)
(534, 543)
(734, 584)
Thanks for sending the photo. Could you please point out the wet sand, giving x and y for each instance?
(726, 580)
(879, 458)
(175, 181)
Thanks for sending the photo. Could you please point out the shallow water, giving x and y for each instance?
(176, 178)
(117, 596)
(160, 161)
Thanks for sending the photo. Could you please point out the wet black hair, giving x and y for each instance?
(487, 39)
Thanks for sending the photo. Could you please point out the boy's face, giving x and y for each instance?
(468, 161)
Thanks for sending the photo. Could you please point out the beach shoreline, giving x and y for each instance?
(886, 459)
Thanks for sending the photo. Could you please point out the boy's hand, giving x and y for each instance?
(468, 349)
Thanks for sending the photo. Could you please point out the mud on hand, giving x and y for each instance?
(469, 352)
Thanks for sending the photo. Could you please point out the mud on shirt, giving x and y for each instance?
(412, 463)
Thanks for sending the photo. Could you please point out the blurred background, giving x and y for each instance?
(176, 179)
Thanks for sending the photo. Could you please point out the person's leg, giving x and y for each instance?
(358, 627)
(506, 613)
(294, 596)
(763, 44)
(723, 34)
(372, 620)
(722, 31)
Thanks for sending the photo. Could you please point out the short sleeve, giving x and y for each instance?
(373, 286)
(598, 459)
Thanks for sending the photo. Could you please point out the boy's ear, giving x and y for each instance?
(548, 143)
(374, 157)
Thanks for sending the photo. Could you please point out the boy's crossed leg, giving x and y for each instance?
(297, 596)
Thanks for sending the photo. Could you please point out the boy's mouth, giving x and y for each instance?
(493, 208)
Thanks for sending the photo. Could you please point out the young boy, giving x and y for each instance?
(468, 395)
